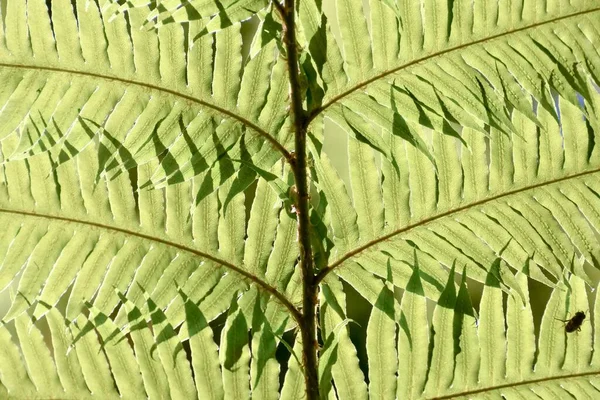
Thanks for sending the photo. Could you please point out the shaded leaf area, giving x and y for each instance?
(445, 61)
(214, 15)
(82, 77)
(453, 351)
(148, 355)
(413, 350)
(485, 119)
(64, 232)
(529, 192)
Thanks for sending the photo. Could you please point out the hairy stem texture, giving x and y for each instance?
(308, 327)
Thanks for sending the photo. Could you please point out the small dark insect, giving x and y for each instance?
(574, 324)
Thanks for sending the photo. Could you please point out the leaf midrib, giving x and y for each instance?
(254, 279)
(516, 384)
(436, 217)
(383, 74)
(260, 131)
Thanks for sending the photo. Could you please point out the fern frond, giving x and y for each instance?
(458, 353)
(146, 356)
(561, 357)
(530, 194)
(90, 78)
(443, 76)
(70, 231)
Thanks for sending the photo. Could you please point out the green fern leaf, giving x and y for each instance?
(161, 214)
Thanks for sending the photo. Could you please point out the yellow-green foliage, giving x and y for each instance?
(149, 196)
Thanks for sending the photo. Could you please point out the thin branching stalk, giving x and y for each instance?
(308, 327)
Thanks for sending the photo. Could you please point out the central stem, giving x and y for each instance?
(308, 327)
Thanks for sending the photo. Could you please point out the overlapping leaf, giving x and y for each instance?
(472, 139)
(85, 77)
(87, 238)
(487, 142)
(456, 352)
